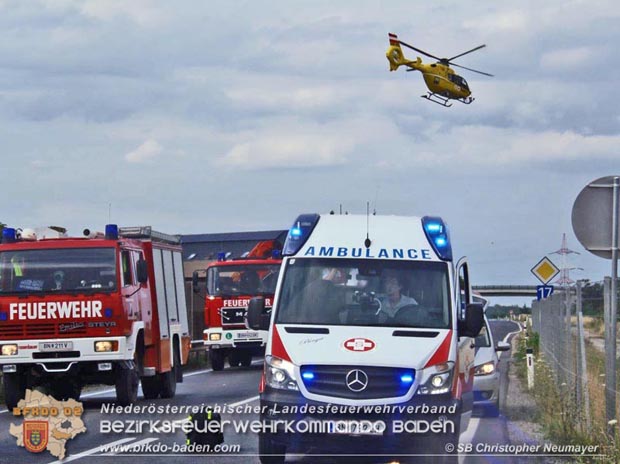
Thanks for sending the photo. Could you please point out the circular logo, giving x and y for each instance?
(359, 344)
(357, 380)
(228, 336)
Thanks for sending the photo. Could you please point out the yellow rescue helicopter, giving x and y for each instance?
(442, 82)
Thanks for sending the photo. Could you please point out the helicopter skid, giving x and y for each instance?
(439, 99)
(444, 101)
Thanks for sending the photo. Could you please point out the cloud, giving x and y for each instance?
(145, 152)
(289, 151)
(570, 59)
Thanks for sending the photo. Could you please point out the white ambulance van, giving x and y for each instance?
(371, 348)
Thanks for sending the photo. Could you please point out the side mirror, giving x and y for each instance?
(502, 346)
(142, 271)
(195, 281)
(255, 317)
(473, 322)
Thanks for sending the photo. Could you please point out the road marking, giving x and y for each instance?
(110, 390)
(92, 451)
(512, 333)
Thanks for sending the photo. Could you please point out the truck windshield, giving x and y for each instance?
(58, 270)
(365, 292)
(242, 279)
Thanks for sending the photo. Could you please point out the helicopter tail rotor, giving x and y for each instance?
(394, 53)
(396, 57)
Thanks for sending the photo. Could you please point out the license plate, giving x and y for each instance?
(357, 427)
(246, 335)
(55, 346)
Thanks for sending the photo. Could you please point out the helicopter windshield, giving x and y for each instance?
(458, 80)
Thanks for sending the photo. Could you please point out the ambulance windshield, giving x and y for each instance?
(242, 279)
(58, 270)
(365, 293)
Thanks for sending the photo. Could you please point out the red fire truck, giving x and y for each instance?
(229, 287)
(106, 309)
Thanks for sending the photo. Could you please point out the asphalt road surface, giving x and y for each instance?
(234, 387)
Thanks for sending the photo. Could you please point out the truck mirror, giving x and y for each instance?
(473, 322)
(255, 318)
(142, 271)
(195, 281)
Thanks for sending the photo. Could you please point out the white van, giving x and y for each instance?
(370, 345)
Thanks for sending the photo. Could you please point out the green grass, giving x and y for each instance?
(562, 418)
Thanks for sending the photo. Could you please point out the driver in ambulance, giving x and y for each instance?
(393, 299)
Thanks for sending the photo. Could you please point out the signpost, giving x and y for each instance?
(544, 271)
(544, 291)
(595, 223)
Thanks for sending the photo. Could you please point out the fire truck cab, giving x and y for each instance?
(103, 309)
(229, 287)
(371, 334)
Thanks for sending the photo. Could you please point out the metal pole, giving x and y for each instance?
(568, 358)
(610, 358)
(583, 367)
(610, 380)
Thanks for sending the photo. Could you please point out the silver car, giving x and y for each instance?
(486, 374)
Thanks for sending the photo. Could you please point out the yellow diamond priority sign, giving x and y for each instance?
(545, 270)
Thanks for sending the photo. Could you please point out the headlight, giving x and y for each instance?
(9, 350)
(485, 369)
(280, 374)
(436, 379)
(106, 345)
(215, 337)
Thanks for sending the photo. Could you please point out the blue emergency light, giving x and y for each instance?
(299, 233)
(406, 378)
(308, 375)
(437, 234)
(221, 256)
(111, 232)
(9, 235)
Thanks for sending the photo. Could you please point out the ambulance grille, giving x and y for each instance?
(381, 382)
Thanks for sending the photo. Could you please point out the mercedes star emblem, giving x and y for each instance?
(357, 380)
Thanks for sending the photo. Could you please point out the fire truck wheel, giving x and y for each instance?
(168, 383)
(178, 368)
(234, 358)
(217, 360)
(66, 389)
(246, 358)
(150, 387)
(14, 389)
(270, 452)
(127, 381)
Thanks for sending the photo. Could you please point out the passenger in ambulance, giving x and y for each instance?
(394, 299)
(319, 302)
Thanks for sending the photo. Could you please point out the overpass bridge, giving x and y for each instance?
(505, 290)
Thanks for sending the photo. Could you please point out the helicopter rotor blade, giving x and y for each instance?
(418, 50)
(465, 53)
(470, 69)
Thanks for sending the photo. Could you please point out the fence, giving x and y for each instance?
(569, 342)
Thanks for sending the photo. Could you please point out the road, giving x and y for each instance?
(235, 387)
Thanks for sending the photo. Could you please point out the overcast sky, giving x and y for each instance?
(198, 117)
